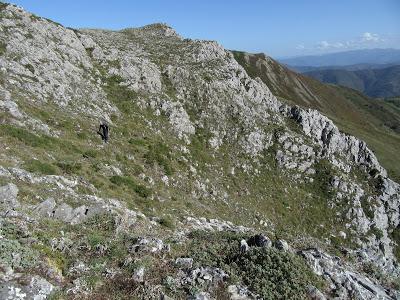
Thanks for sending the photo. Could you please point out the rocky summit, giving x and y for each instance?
(209, 186)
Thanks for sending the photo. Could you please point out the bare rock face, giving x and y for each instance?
(50, 63)
(345, 283)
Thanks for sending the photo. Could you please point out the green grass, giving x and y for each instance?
(3, 48)
(140, 189)
(36, 166)
(37, 141)
(159, 154)
(70, 167)
(167, 222)
(395, 235)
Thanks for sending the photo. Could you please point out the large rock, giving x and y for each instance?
(8, 196)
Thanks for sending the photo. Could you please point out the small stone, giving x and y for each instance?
(282, 245)
(244, 247)
(201, 296)
(138, 275)
(184, 262)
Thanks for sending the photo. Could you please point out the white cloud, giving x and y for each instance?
(370, 37)
(363, 41)
(324, 45)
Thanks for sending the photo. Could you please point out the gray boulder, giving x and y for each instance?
(8, 195)
(45, 208)
(63, 212)
(259, 240)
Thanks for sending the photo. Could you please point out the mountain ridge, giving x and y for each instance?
(196, 145)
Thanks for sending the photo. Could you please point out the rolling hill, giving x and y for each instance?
(381, 82)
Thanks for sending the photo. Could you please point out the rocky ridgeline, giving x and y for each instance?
(197, 86)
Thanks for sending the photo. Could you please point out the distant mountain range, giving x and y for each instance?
(354, 57)
(375, 72)
(384, 82)
(356, 67)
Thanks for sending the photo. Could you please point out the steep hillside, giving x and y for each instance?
(372, 120)
(201, 157)
(383, 82)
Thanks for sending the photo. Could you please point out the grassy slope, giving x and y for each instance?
(374, 121)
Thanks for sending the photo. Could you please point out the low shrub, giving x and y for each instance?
(70, 167)
(28, 257)
(270, 273)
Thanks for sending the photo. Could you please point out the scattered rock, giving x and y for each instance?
(184, 262)
(237, 292)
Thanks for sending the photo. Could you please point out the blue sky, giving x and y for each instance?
(278, 28)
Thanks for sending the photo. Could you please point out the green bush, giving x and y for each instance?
(139, 189)
(271, 273)
(36, 166)
(274, 274)
(8, 249)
